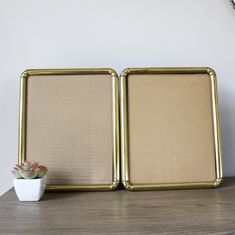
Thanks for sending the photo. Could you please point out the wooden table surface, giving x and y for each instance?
(206, 211)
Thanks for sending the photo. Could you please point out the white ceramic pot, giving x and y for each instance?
(30, 189)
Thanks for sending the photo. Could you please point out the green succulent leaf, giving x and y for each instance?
(28, 174)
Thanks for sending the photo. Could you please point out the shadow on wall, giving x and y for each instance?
(9, 131)
(227, 113)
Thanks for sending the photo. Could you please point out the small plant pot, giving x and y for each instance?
(30, 189)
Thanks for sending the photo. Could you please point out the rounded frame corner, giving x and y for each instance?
(127, 185)
(114, 185)
(113, 73)
(218, 182)
(125, 73)
(210, 71)
(25, 74)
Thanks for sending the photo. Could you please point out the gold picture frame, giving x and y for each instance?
(22, 155)
(124, 128)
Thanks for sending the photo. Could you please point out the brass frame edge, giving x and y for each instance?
(95, 187)
(115, 124)
(125, 179)
(123, 129)
(22, 116)
(216, 126)
(172, 186)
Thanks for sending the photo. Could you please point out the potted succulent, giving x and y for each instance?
(30, 180)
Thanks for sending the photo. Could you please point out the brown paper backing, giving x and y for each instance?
(170, 128)
(69, 127)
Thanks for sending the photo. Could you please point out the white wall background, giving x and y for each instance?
(117, 34)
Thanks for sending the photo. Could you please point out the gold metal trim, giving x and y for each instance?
(124, 130)
(115, 124)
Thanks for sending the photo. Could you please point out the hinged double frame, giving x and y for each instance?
(123, 132)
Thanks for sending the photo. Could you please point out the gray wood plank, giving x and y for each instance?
(206, 211)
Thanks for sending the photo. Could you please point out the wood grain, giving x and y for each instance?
(210, 211)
